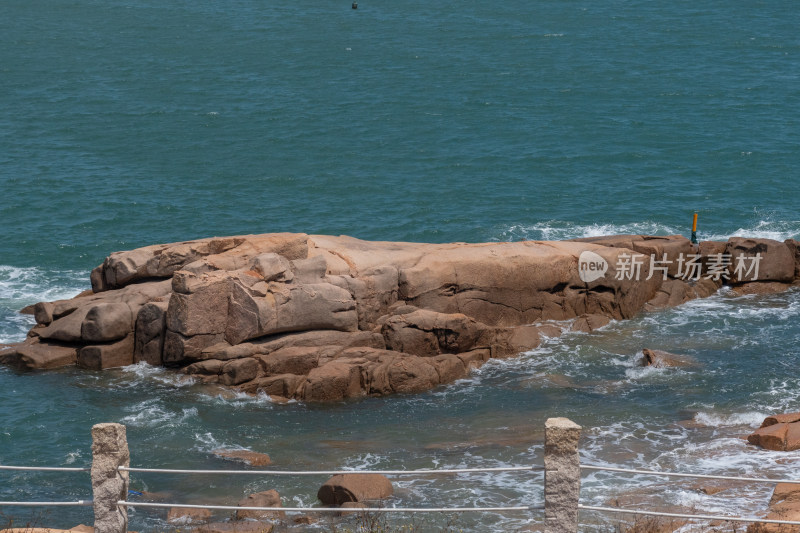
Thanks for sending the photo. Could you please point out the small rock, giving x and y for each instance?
(661, 359)
(344, 488)
(247, 456)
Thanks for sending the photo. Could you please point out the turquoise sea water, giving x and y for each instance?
(130, 122)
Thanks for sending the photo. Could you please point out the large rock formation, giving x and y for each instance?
(321, 318)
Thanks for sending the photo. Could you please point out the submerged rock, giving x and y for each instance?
(662, 359)
(246, 456)
(269, 498)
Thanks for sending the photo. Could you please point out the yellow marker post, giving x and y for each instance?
(694, 229)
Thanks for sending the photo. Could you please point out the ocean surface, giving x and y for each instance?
(125, 123)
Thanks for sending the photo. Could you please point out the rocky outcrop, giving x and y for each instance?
(322, 318)
(269, 498)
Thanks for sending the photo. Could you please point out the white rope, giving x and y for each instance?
(45, 468)
(676, 474)
(691, 516)
(336, 472)
(47, 504)
(337, 509)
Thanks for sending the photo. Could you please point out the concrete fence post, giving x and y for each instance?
(562, 475)
(109, 485)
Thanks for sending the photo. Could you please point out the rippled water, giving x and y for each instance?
(686, 419)
(131, 122)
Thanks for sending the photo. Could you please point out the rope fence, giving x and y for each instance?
(562, 469)
(79, 503)
(681, 474)
(338, 509)
(84, 503)
(423, 472)
(45, 468)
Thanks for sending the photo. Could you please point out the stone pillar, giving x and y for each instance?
(562, 475)
(109, 485)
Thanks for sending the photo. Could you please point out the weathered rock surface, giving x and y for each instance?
(34, 353)
(776, 261)
(269, 498)
(778, 433)
(187, 515)
(358, 488)
(323, 318)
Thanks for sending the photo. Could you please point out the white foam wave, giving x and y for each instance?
(151, 413)
(206, 442)
(24, 286)
(557, 230)
(782, 396)
(72, 457)
(143, 372)
(649, 372)
(20, 287)
(749, 418)
(238, 399)
(364, 461)
(14, 327)
(778, 230)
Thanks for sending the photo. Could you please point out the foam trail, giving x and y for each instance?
(20, 287)
(24, 286)
(556, 230)
(778, 230)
